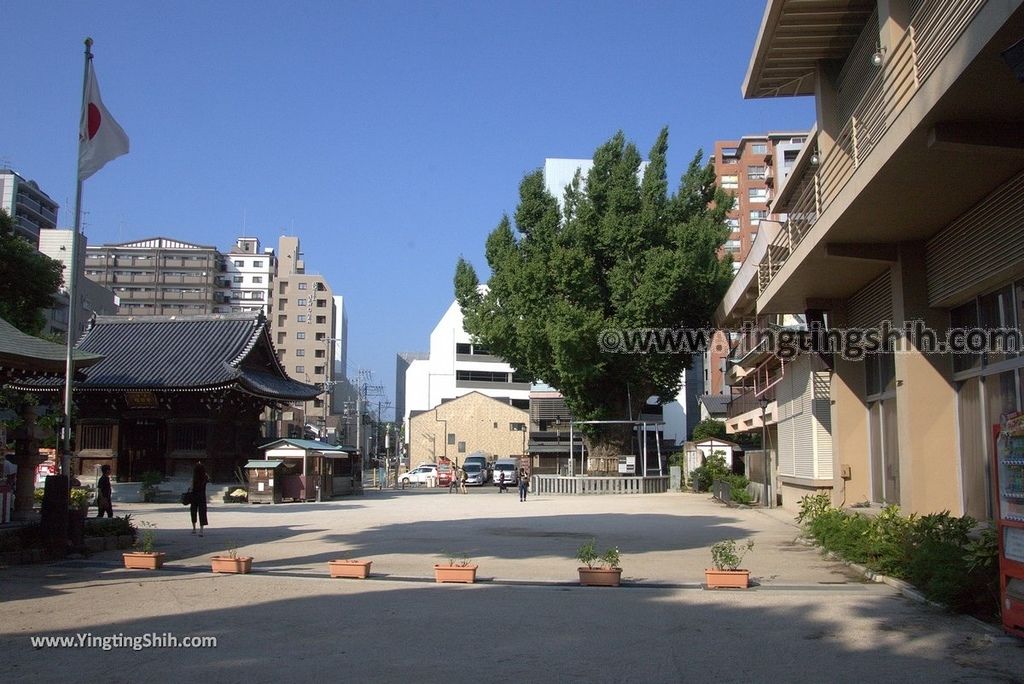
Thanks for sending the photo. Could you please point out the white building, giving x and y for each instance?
(457, 366)
(247, 280)
(93, 298)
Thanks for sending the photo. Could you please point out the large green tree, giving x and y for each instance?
(28, 280)
(621, 254)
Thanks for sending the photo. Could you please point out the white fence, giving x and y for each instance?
(558, 484)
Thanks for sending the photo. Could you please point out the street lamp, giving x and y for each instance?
(763, 401)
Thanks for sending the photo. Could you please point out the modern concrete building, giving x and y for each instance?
(29, 207)
(158, 276)
(303, 323)
(456, 366)
(469, 423)
(93, 298)
(246, 280)
(903, 206)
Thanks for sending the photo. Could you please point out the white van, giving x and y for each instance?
(510, 468)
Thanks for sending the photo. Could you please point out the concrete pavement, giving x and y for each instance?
(807, 620)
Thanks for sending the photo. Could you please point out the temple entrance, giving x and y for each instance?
(142, 448)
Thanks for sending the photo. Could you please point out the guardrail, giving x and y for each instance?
(586, 484)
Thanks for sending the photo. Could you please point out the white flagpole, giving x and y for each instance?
(69, 370)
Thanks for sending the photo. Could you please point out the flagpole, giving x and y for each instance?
(72, 336)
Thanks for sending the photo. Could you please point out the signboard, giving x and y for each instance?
(627, 465)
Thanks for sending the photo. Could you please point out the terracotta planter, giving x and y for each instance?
(600, 577)
(352, 569)
(140, 560)
(237, 566)
(726, 579)
(465, 574)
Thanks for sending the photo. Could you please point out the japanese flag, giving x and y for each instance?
(100, 138)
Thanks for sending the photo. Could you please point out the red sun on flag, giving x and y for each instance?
(95, 118)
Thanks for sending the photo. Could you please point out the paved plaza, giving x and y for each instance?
(526, 620)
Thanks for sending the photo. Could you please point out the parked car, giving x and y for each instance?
(419, 475)
(510, 468)
(475, 475)
(480, 459)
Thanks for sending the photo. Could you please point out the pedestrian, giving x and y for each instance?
(103, 494)
(463, 476)
(453, 481)
(524, 484)
(501, 481)
(197, 506)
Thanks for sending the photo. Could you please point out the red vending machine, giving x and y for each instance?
(1009, 482)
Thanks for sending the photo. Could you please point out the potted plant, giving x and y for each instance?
(458, 569)
(726, 573)
(144, 557)
(352, 569)
(231, 562)
(601, 570)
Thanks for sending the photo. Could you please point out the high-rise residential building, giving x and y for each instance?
(92, 297)
(29, 207)
(157, 276)
(751, 168)
(303, 323)
(247, 278)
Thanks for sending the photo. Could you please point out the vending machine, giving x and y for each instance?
(1009, 483)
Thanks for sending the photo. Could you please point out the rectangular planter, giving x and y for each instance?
(139, 560)
(236, 566)
(465, 574)
(726, 579)
(600, 577)
(352, 569)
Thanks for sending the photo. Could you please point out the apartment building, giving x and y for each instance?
(303, 324)
(903, 206)
(92, 297)
(246, 280)
(29, 207)
(158, 276)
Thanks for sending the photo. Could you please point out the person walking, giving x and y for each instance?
(453, 481)
(104, 503)
(501, 481)
(463, 476)
(524, 484)
(197, 506)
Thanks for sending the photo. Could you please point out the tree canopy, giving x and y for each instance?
(709, 428)
(28, 280)
(621, 253)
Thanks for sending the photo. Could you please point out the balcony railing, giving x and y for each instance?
(748, 401)
(933, 30)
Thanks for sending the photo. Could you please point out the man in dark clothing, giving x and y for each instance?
(103, 494)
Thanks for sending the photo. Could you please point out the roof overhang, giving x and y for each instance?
(794, 36)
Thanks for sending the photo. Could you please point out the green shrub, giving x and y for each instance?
(936, 553)
(110, 527)
(713, 468)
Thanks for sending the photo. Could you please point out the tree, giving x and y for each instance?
(622, 254)
(28, 280)
(708, 428)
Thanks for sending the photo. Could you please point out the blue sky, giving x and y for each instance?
(390, 136)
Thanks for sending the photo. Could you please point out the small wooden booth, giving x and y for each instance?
(311, 470)
(264, 481)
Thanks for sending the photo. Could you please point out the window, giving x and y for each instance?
(759, 148)
(301, 318)
(733, 224)
(257, 264)
(320, 337)
(729, 155)
(236, 279)
(319, 353)
(755, 172)
(280, 338)
(463, 348)
(300, 335)
(321, 320)
(300, 352)
(451, 438)
(257, 279)
(730, 182)
(239, 262)
(282, 288)
(189, 437)
(300, 369)
(517, 427)
(462, 447)
(758, 215)
(282, 303)
(735, 203)
(301, 302)
(281, 320)
(302, 286)
(318, 370)
(321, 303)
(757, 194)
(732, 245)
(480, 376)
